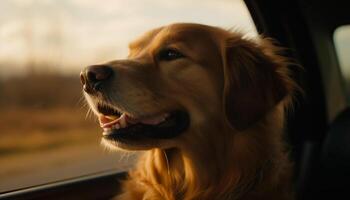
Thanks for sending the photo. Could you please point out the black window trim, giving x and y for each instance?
(103, 185)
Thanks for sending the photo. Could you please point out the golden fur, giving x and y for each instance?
(236, 91)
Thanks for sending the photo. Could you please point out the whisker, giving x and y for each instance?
(88, 113)
(129, 154)
(122, 155)
(167, 162)
(81, 101)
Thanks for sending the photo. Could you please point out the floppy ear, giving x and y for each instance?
(253, 83)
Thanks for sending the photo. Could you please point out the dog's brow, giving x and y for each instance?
(143, 40)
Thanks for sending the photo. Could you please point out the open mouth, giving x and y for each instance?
(119, 126)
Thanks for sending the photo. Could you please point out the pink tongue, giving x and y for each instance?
(154, 120)
(124, 120)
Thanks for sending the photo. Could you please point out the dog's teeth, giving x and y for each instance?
(116, 126)
(122, 121)
(106, 129)
(105, 132)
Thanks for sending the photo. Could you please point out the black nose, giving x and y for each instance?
(93, 76)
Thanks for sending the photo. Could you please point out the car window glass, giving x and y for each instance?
(46, 132)
(342, 44)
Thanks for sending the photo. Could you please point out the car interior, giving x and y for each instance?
(318, 130)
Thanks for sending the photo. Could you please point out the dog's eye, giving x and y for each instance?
(169, 54)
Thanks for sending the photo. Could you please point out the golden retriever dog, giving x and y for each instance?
(206, 105)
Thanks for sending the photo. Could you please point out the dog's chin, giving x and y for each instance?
(115, 145)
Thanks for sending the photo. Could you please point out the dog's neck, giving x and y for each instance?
(241, 163)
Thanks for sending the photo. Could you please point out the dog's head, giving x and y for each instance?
(180, 79)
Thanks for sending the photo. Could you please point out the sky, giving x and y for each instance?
(66, 35)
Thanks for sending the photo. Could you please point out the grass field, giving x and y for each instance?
(43, 111)
(29, 130)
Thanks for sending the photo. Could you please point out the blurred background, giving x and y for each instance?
(46, 134)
